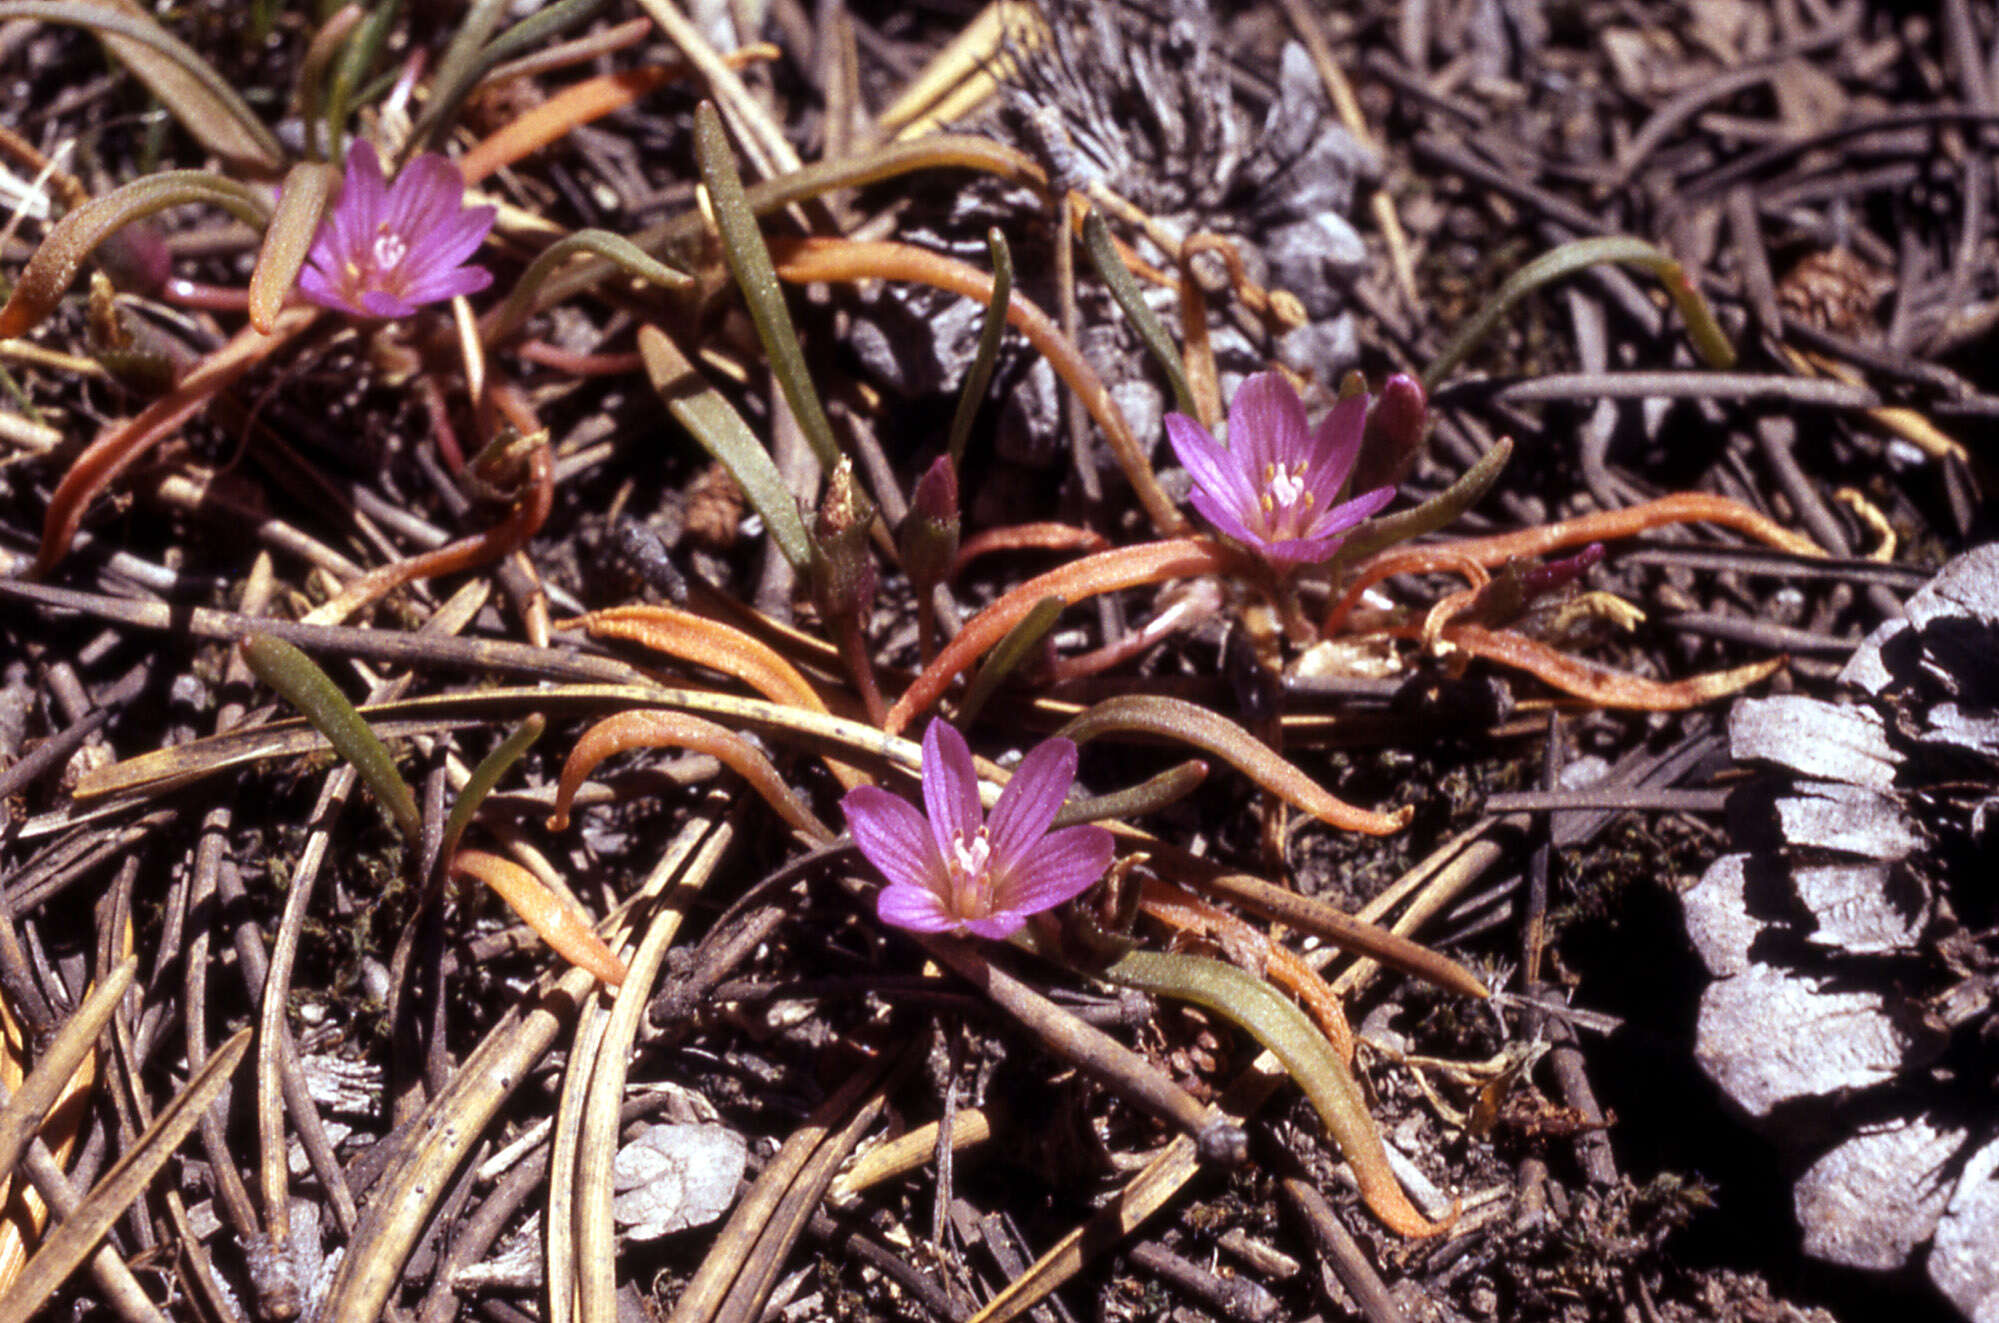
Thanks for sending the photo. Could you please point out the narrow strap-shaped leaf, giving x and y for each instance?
(749, 261)
(288, 240)
(72, 239)
(721, 431)
(1569, 258)
(77, 1235)
(299, 680)
(1148, 796)
(355, 60)
(1008, 654)
(502, 321)
(1102, 249)
(553, 918)
(1190, 723)
(1305, 1054)
(484, 777)
(1438, 512)
(980, 375)
(457, 69)
(653, 729)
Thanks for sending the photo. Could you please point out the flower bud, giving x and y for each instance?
(843, 566)
(928, 539)
(1397, 424)
(136, 258)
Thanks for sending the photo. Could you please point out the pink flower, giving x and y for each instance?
(386, 249)
(956, 871)
(1273, 486)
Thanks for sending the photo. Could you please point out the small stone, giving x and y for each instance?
(1823, 740)
(1872, 1200)
(1718, 918)
(1964, 1261)
(673, 1177)
(1766, 1038)
(1850, 819)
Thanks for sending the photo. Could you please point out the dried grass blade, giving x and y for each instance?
(595, 1225)
(22, 1118)
(456, 1120)
(734, 1249)
(1189, 723)
(72, 1241)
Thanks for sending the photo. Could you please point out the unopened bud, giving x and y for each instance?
(136, 258)
(928, 539)
(1397, 423)
(843, 566)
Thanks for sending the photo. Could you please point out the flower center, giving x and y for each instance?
(1286, 504)
(971, 889)
(390, 249)
(969, 859)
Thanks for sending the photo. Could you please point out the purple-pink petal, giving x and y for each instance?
(1336, 444)
(892, 836)
(427, 193)
(950, 786)
(917, 908)
(364, 188)
(457, 239)
(1213, 469)
(381, 303)
(1062, 865)
(997, 926)
(1223, 517)
(448, 284)
(1267, 423)
(1031, 800)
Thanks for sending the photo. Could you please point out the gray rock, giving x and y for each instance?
(1864, 908)
(1718, 918)
(1964, 1262)
(1869, 1202)
(1828, 741)
(674, 1176)
(1766, 1038)
(1849, 819)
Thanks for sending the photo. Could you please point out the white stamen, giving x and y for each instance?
(390, 249)
(970, 857)
(1285, 486)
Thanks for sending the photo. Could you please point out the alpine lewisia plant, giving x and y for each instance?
(384, 250)
(958, 871)
(1273, 487)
